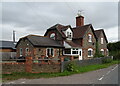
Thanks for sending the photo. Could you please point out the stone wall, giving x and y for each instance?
(45, 68)
(30, 66)
(85, 62)
(13, 67)
(104, 45)
(87, 45)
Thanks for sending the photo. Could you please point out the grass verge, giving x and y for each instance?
(16, 75)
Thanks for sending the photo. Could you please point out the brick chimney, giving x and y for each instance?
(79, 20)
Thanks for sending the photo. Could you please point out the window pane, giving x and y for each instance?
(90, 53)
(48, 52)
(102, 52)
(101, 40)
(90, 38)
(80, 53)
(52, 52)
(74, 52)
(20, 51)
(67, 51)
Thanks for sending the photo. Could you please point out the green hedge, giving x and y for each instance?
(107, 60)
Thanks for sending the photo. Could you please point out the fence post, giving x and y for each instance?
(28, 65)
(42, 58)
(62, 64)
(72, 58)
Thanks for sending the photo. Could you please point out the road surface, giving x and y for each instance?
(102, 76)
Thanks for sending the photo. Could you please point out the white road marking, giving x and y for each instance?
(115, 67)
(100, 78)
(22, 82)
(11, 82)
(108, 72)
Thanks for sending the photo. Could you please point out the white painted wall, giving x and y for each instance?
(70, 31)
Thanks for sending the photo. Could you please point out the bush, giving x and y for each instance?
(107, 60)
(116, 56)
(98, 55)
(72, 66)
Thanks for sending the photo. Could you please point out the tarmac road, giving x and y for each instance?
(103, 76)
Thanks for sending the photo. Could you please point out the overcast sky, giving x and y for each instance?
(36, 17)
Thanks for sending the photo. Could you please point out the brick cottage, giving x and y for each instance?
(79, 41)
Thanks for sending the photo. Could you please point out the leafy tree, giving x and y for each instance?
(97, 53)
(114, 49)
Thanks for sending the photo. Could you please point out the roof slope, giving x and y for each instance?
(41, 41)
(7, 44)
(60, 28)
(98, 32)
(79, 32)
(71, 43)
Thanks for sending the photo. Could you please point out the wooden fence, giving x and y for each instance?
(7, 55)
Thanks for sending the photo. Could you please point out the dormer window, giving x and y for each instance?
(69, 35)
(101, 40)
(52, 36)
(89, 38)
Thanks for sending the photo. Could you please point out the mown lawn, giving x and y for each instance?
(16, 75)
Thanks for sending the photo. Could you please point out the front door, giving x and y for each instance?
(80, 54)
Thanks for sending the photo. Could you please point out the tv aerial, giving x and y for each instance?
(80, 12)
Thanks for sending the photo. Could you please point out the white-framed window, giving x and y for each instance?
(27, 51)
(101, 40)
(75, 51)
(69, 51)
(89, 38)
(69, 35)
(21, 51)
(52, 36)
(50, 52)
(102, 51)
(90, 52)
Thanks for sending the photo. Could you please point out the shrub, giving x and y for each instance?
(108, 60)
(72, 66)
(98, 55)
(116, 56)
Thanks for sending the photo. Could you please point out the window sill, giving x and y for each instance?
(90, 56)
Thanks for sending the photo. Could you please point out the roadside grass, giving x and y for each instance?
(83, 69)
